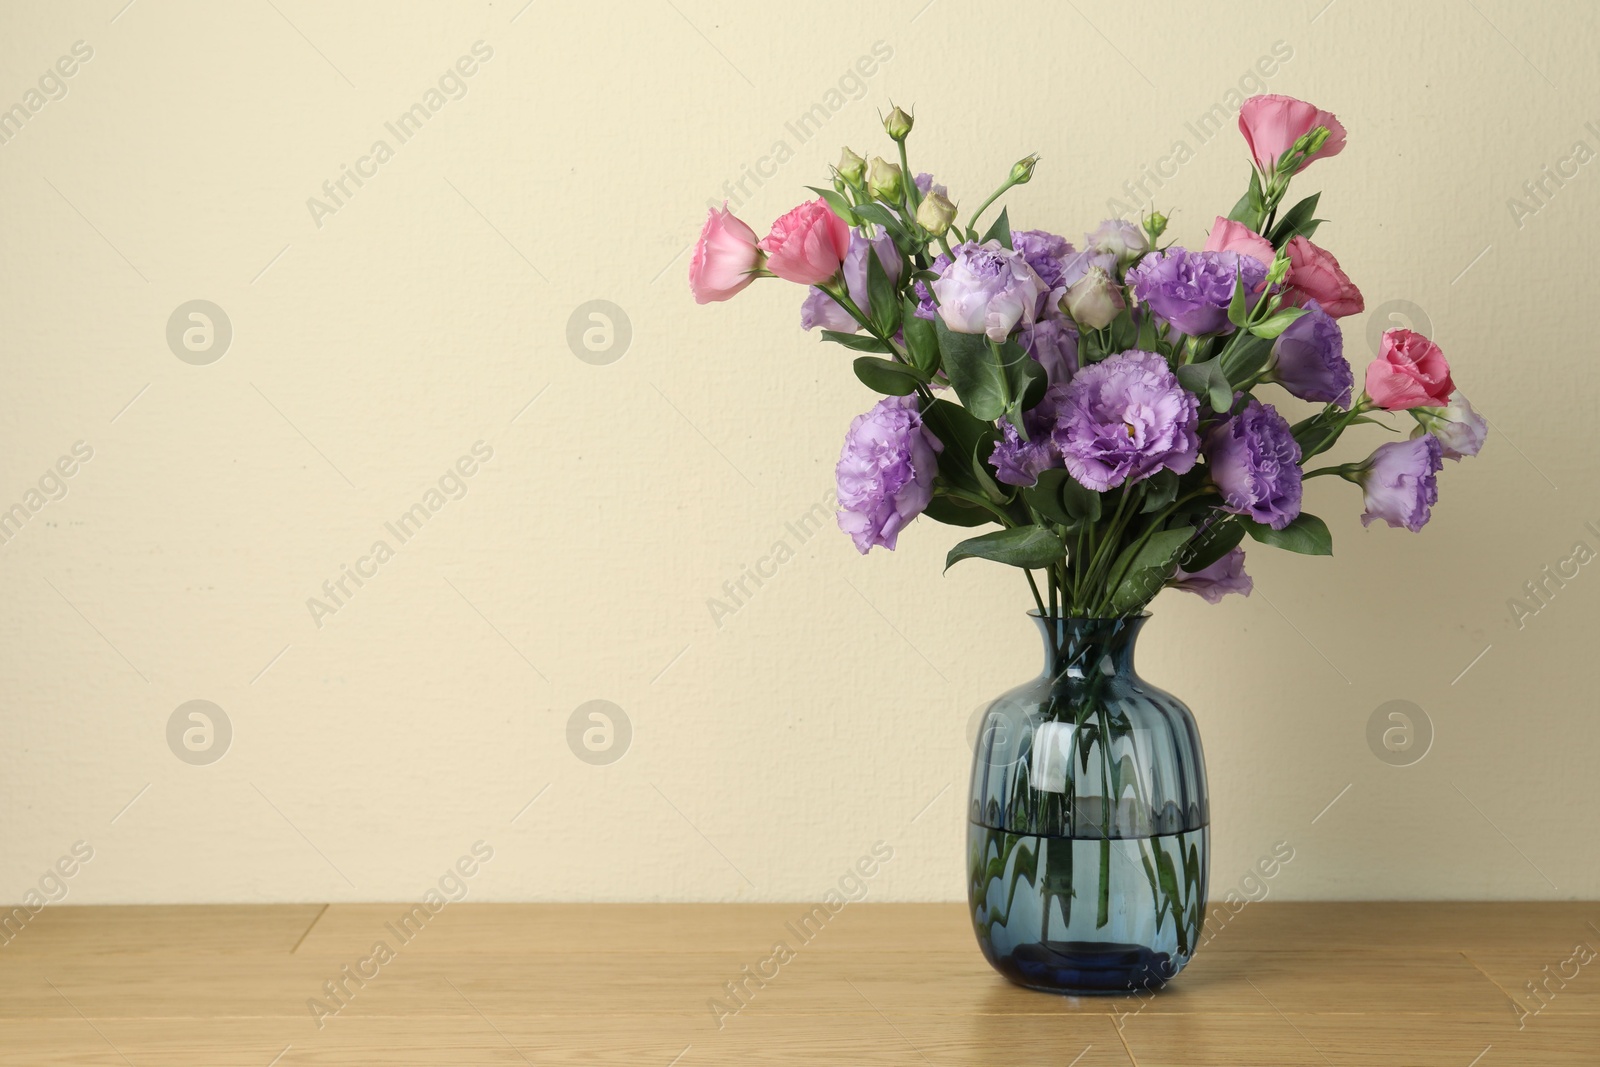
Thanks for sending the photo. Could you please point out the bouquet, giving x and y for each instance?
(1098, 404)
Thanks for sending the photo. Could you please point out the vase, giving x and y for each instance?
(1088, 823)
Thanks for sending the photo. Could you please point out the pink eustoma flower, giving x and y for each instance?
(1272, 124)
(1315, 275)
(725, 257)
(1410, 372)
(808, 244)
(1230, 236)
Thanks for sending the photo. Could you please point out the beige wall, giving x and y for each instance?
(374, 745)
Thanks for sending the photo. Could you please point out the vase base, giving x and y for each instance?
(1086, 968)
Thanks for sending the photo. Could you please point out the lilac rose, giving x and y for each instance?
(1125, 418)
(1401, 482)
(885, 472)
(1190, 291)
(1255, 463)
(820, 309)
(1308, 359)
(988, 289)
(1213, 583)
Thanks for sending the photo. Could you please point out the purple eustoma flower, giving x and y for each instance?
(1053, 343)
(885, 472)
(1190, 291)
(1401, 482)
(1213, 583)
(1255, 463)
(1045, 252)
(926, 308)
(1125, 418)
(1019, 462)
(989, 289)
(1308, 359)
(820, 309)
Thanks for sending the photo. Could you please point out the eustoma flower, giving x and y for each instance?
(820, 309)
(1118, 238)
(1224, 576)
(1460, 429)
(1401, 482)
(1125, 418)
(885, 472)
(1190, 290)
(1018, 462)
(1308, 359)
(1315, 275)
(808, 244)
(1272, 124)
(725, 258)
(1230, 236)
(1255, 463)
(1410, 372)
(1053, 343)
(988, 289)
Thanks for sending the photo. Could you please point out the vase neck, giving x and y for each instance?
(1077, 647)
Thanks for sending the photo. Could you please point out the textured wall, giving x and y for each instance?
(417, 338)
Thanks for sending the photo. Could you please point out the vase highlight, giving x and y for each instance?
(1088, 821)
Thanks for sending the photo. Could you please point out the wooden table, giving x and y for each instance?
(1278, 984)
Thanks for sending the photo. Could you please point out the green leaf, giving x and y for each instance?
(881, 215)
(1082, 504)
(961, 435)
(922, 338)
(1238, 313)
(1044, 496)
(1207, 381)
(1245, 356)
(953, 512)
(1251, 205)
(883, 302)
(887, 376)
(1025, 375)
(1291, 222)
(986, 482)
(1145, 568)
(1307, 535)
(1160, 489)
(860, 342)
(1211, 544)
(1024, 546)
(1274, 326)
(973, 372)
(999, 230)
(840, 205)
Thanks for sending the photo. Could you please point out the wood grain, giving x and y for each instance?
(1279, 984)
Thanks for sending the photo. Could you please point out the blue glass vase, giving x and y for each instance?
(1087, 844)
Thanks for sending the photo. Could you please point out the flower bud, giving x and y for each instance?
(898, 125)
(1279, 269)
(852, 168)
(935, 214)
(1094, 300)
(1155, 224)
(1022, 170)
(884, 180)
